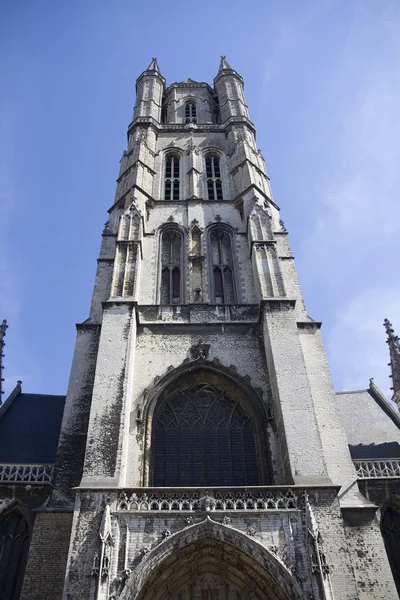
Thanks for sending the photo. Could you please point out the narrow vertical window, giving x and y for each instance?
(14, 544)
(172, 177)
(171, 271)
(222, 280)
(190, 112)
(214, 182)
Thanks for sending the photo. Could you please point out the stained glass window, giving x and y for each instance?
(202, 436)
(14, 542)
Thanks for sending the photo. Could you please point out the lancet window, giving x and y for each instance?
(171, 267)
(172, 177)
(391, 534)
(14, 543)
(203, 436)
(213, 173)
(190, 112)
(221, 266)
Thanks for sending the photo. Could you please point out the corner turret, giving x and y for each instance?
(230, 90)
(150, 86)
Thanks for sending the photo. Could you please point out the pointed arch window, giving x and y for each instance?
(214, 181)
(390, 527)
(171, 184)
(171, 267)
(203, 436)
(190, 112)
(14, 544)
(221, 266)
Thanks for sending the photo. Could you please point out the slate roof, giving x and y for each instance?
(30, 427)
(371, 424)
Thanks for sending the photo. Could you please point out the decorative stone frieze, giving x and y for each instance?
(41, 474)
(377, 468)
(214, 499)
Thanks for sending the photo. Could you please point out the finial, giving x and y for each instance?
(224, 64)
(394, 350)
(3, 328)
(153, 66)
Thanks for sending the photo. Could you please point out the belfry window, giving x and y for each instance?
(172, 177)
(171, 258)
(214, 182)
(190, 112)
(221, 266)
(203, 436)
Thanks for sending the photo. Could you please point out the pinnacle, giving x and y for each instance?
(153, 66)
(224, 64)
(394, 350)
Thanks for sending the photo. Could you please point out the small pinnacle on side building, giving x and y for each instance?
(3, 328)
(394, 349)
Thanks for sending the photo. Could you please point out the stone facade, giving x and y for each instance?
(197, 296)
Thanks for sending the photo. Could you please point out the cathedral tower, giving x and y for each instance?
(201, 448)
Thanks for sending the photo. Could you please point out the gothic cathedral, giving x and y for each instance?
(202, 452)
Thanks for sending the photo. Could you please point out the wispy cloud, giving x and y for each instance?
(357, 230)
(356, 343)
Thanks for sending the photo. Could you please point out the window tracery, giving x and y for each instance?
(202, 436)
(172, 175)
(214, 181)
(190, 112)
(171, 267)
(221, 264)
(14, 542)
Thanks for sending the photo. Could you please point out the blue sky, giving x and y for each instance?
(322, 81)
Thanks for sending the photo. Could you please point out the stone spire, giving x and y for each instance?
(153, 66)
(3, 328)
(223, 65)
(394, 349)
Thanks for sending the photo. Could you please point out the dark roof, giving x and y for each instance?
(371, 424)
(30, 427)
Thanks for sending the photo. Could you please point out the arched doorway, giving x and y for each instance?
(210, 561)
(207, 431)
(390, 526)
(14, 545)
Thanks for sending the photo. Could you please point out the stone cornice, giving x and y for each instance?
(184, 128)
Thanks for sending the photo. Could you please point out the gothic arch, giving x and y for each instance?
(15, 534)
(181, 263)
(213, 558)
(228, 262)
(201, 371)
(390, 528)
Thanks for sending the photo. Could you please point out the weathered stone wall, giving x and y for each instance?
(45, 571)
(354, 559)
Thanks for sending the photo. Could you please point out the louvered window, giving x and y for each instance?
(222, 280)
(171, 268)
(214, 182)
(172, 177)
(202, 436)
(190, 112)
